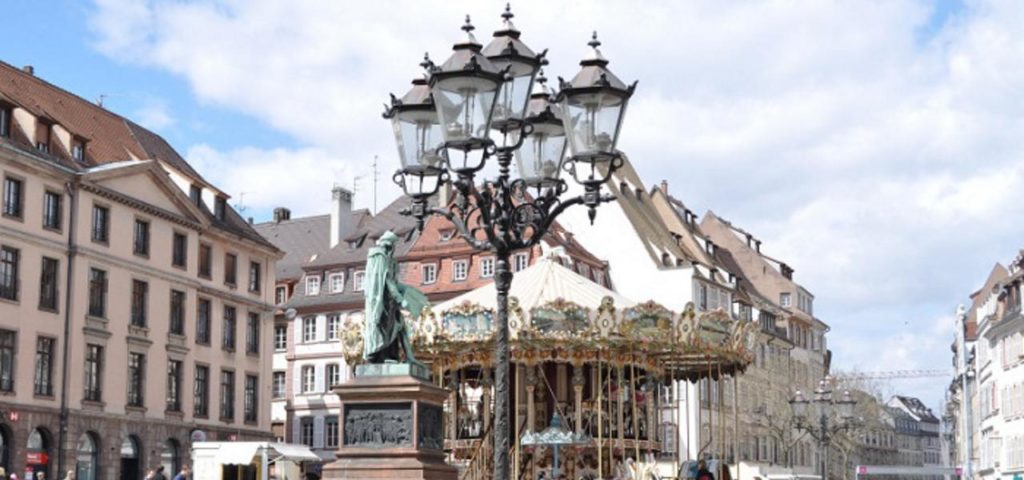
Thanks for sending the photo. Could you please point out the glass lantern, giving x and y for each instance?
(464, 89)
(799, 404)
(594, 104)
(845, 405)
(540, 158)
(508, 53)
(418, 138)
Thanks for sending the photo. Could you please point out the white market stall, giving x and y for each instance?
(249, 460)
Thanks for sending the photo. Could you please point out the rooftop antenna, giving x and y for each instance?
(240, 206)
(99, 101)
(376, 177)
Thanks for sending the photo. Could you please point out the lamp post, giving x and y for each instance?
(833, 416)
(488, 105)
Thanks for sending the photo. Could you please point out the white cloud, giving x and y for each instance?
(881, 164)
(154, 114)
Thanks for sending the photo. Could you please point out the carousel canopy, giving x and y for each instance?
(543, 282)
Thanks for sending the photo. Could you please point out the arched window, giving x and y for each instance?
(38, 448)
(87, 457)
(170, 457)
(5, 447)
(131, 458)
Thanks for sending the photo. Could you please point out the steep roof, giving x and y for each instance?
(110, 139)
(299, 238)
(368, 228)
(916, 408)
(996, 277)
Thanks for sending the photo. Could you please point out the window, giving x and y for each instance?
(249, 398)
(140, 238)
(44, 366)
(5, 121)
(460, 270)
(230, 269)
(100, 224)
(43, 131)
(97, 293)
(520, 261)
(312, 285)
(280, 295)
(308, 379)
(336, 282)
(229, 328)
(220, 205)
(78, 150)
(8, 350)
(333, 327)
(252, 333)
(446, 235)
(177, 314)
(227, 395)
(136, 379)
(280, 337)
(784, 299)
(357, 280)
(173, 386)
(13, 197)
(332, 374)
(487, 267)
(279, 385)
(201, 392)
(140, 290)
(9, 261)
(93, 373)
(306, 431)
(429, 273)
(254, 277)
(331, 431)
(309, 329)
(205, 260)
(51, 210)
(203, 321)
(179, 250)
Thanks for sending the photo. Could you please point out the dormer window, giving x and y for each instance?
(5, 121)
(195, 193)
(43, 130)
(447, 235)
(78, 150)
(220, 205)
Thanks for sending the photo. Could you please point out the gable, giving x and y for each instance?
(144, 187)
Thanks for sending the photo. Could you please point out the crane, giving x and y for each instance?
(891, 374)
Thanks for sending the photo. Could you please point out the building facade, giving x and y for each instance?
(325, 293)
(134, 302)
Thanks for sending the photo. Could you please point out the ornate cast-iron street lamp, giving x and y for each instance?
(833, 416)
(488, 106)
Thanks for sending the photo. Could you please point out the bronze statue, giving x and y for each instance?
(385, 334)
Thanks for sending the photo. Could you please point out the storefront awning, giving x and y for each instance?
(294, 453)
(237, 453)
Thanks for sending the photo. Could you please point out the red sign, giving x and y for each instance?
(12, 416)
(37, 458)
(861, 469)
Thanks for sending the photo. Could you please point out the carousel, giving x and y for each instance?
(588, 367)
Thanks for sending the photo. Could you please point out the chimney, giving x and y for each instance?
(757, 245)
(281, 214)
(342, 225)
(29, 69)
(664, 187)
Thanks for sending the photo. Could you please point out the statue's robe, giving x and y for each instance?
(385, 334)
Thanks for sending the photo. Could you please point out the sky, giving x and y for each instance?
(875, 146)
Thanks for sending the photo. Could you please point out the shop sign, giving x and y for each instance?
(37, 458)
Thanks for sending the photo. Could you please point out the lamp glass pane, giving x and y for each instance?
(418, 136)
(464, 106)
(541, 154)
(515, 91)
(422, 183)
(593, 120)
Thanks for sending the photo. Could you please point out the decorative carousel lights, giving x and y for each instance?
(591, 355)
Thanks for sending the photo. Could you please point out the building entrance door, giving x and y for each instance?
(130, 462)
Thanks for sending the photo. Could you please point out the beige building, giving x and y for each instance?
(135, 304)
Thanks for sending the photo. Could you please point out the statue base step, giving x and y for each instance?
(391, 426)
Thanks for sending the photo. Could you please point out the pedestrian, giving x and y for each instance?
(70, 475)
(159, 473)
(184, 473)
(150, 474)
(703, 473)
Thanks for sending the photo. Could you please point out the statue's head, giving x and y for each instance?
(387, 240)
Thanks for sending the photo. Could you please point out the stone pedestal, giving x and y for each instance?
(391, 426)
